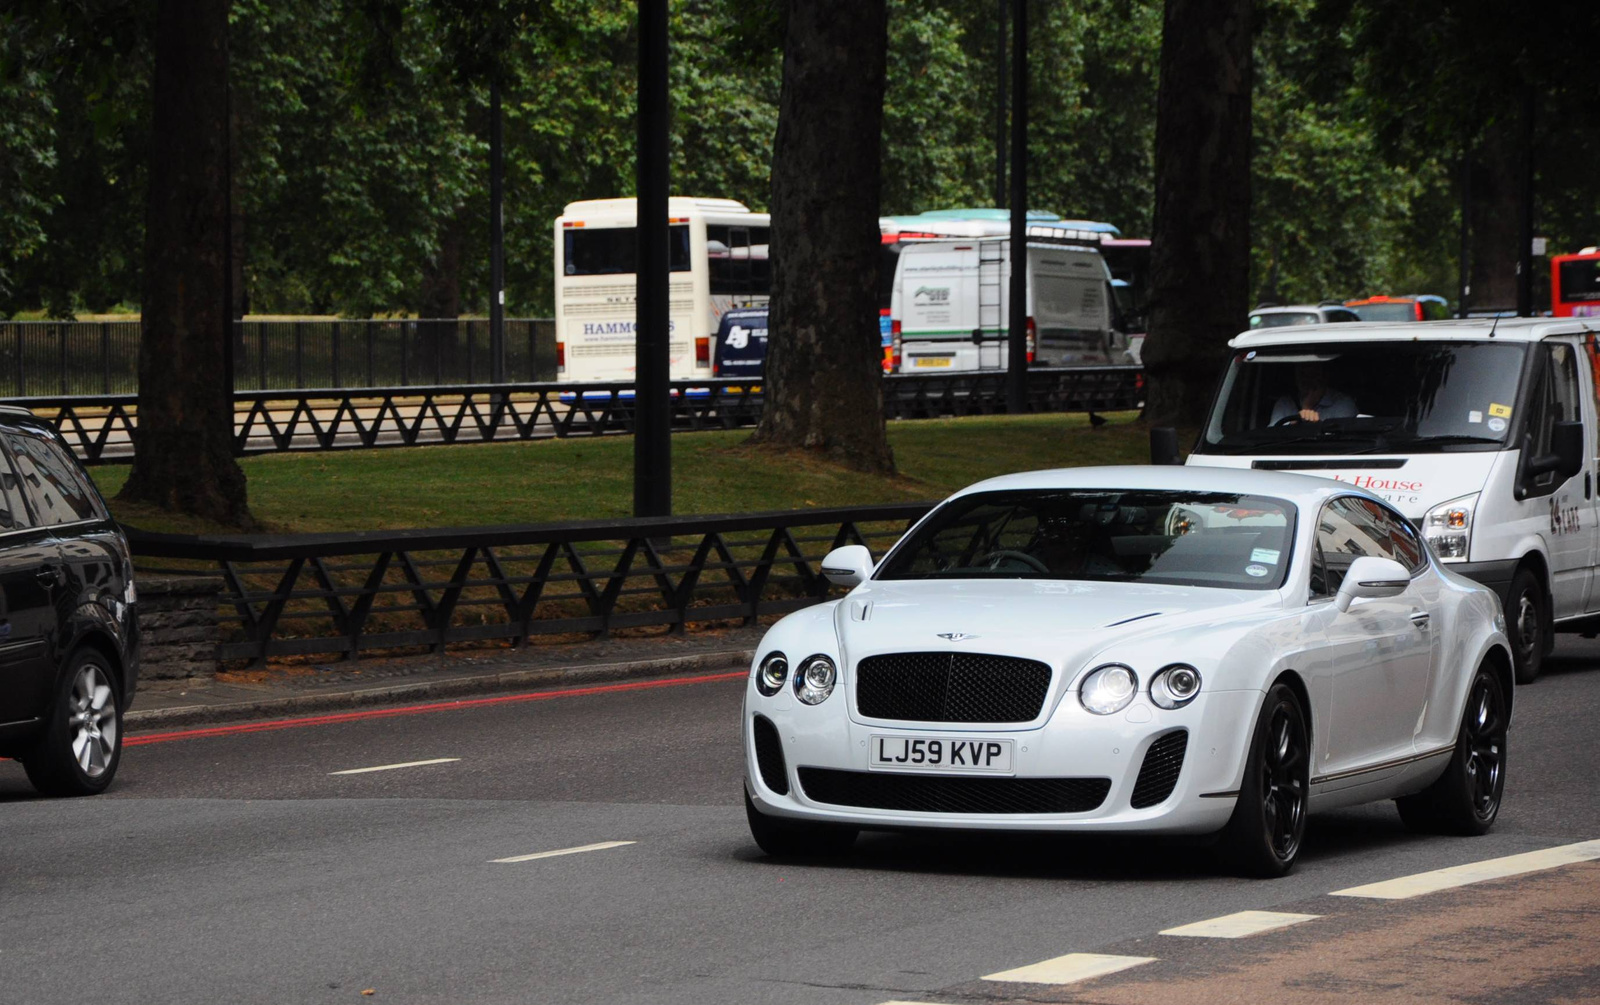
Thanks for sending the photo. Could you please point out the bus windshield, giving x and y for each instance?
(1366, 397)
(612, 251)
(1580, 279)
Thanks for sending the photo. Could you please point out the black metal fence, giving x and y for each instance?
(355, 592)
(39, 358)
(100, 427)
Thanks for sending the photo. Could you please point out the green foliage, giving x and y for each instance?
(361, 133)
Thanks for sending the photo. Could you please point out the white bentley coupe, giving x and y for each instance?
(1153, 649)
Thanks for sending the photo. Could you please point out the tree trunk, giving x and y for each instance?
(440, 298)
(1200, 247)
(1495, 209)
(824, 384)
(183, 445)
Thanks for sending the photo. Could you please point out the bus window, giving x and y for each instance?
(1576, 289)
(736, 258)
(611, 251)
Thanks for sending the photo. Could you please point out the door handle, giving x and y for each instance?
(48, 575)
(1420, 619)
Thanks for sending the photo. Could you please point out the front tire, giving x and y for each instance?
(82, 742)
(782, 838)
(1263, 836)
(1466, 798)
(1528, 622)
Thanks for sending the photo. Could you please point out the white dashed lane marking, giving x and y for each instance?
(1070, 968)
(598, 846)
(1476, 872)
(392, 767)
(1240, 925)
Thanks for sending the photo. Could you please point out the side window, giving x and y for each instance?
(1351, 527)
(13, 511)
(54, 482)
(1555, 400)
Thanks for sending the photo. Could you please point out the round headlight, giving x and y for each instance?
(1175, 686)
(1108, 689)
(814, 681)
(774, 670)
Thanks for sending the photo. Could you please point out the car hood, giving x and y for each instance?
(1056, 621)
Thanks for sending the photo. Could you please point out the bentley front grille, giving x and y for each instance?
(951, 687)
(1159, 774)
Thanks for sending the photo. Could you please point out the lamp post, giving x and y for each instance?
(652, 437)
(1017, 357)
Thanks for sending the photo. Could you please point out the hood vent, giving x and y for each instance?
(1136, 617)
(860, 610)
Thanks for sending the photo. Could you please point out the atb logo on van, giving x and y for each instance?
(929, 296)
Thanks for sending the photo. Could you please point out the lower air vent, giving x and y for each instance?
(1159, 775)
(769, 756)
(945, 794)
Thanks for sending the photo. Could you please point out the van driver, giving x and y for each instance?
(1316, 401)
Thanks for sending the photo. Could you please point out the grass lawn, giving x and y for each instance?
(577, 479)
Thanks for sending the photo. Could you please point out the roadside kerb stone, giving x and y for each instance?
(723, 661)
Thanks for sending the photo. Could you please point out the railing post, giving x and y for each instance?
(471, 343)
(407, 329)
(261, 356)
(61, 334)
(338, 329)
(533, 367)
(105, 358)
(438, 354)
(371, 380)
(22, 370)
(299, 354)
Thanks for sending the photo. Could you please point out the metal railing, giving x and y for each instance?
(356, 592)
(102, 357)
(100, 427)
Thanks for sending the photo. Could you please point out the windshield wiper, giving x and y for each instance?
(1455, 438)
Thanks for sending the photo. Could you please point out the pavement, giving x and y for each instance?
(294, 688)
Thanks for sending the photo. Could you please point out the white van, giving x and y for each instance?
(1482, 432)
(950, 304)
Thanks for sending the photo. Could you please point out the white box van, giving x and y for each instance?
(950, 305)
(1482, 432)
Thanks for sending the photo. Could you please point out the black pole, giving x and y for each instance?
(1525, 228)
(497, 236)
(1465, 266)
(652, 437)
(1000, 104)
(1017, 358)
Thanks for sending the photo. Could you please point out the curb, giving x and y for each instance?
(186, 715)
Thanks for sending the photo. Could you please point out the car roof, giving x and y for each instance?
(1456, 330)
(1303, 490)
(1296, 309)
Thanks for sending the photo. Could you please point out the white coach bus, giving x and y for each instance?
(718, 259)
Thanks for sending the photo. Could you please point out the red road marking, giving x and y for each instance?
(439, 706)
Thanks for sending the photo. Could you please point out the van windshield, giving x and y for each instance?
(1365, 398)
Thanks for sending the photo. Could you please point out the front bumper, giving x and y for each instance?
(1073, 743)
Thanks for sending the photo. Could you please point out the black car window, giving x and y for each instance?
(55, 484)
(13, 511)
(1351, 527)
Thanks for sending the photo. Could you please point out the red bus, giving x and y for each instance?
(1575, 284)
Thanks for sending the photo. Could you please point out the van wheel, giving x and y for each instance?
(1528, 624)
(82, 742)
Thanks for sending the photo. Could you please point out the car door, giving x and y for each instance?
(1558, 510)
(1377, 658)
(30, 573)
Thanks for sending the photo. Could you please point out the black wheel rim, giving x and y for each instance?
(1485, 738)
(1284, 764)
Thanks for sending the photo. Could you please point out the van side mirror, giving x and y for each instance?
(1566, 452)
(847, 566)
(1370, 578)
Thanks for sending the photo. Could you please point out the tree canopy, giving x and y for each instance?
(360, 147)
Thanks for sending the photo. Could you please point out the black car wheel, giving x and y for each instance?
(1528, 617)
(81, 746)
(1269, 821)
(796, 839)
(1466, 798)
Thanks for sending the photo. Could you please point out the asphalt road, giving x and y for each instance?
(238, 868)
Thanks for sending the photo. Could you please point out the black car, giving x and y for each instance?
(69, 636)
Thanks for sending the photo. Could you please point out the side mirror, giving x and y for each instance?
(848, 566)
(1566, 452)
(1370, 577)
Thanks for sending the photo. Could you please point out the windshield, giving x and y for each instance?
(1392, 311)
(1214, 539)
(1580, 279)
(1366, 397)
(1280, 319)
